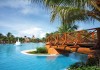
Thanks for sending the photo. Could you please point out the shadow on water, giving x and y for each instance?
(77, 56)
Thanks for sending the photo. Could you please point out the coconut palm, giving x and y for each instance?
(67, 28)
(1, 37)
(74, 3)
(70, 11)
(12, 39)
(9, 34)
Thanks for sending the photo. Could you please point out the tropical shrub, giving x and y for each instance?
(90, 68)
(77, 65)
(86, 68)
(41, 50)
(92, 64)
(92, 61)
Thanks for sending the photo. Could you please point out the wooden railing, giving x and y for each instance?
(82, 38)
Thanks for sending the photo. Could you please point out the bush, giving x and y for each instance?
(92, 61)
(86, 68)
(77, 65)
(90, 65)
(41, 50)
(32, 52)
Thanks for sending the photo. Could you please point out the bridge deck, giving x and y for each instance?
(80, 41)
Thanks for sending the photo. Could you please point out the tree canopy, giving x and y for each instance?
(70, 11)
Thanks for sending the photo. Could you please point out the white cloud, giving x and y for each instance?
(36, 31)
(29, 10)
(42, 34)
(30, 31)
(80, 28)
(25, 6)
(25, 30)
(26, 11)
(21, 25)
(14, 3)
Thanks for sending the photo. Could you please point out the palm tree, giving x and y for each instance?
(9, 34)
(10, 37)
(72, 10)
(67, 28)
(1, 37)
(1, 34)
(70, 14)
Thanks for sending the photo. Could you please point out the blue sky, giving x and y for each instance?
(22, 18)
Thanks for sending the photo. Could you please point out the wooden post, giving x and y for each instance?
(79, 37)
(93, 36)
(98, 37)
(65, 37)
(57, 40)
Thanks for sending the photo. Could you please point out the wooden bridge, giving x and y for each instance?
(84, 41)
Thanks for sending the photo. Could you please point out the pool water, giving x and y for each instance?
(11, 58)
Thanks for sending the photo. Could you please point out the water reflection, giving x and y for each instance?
(49, 58)
(6, 50)
(74, 56)
(78, 56)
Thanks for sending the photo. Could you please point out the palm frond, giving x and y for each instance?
(70, 11)
(69, 14)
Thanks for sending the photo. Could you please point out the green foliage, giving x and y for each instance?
(9, 38)
(92, 64)
(67, 28)
(76, 65)
(48, 34)
(43, 39)
(70, 11)
(41, 50)
(92, 61)
(86, 68)
(32, 52)
(36, 40)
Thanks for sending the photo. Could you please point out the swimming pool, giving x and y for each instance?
(11, 58)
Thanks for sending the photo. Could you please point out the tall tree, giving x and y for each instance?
(67, 28)
(1, 35)
(9, 34)
(72, 10)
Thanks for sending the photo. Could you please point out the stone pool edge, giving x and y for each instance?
(25, 52)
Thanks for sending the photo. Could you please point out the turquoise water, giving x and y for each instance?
(11, 58)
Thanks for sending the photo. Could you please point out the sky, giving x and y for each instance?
(23, 18)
